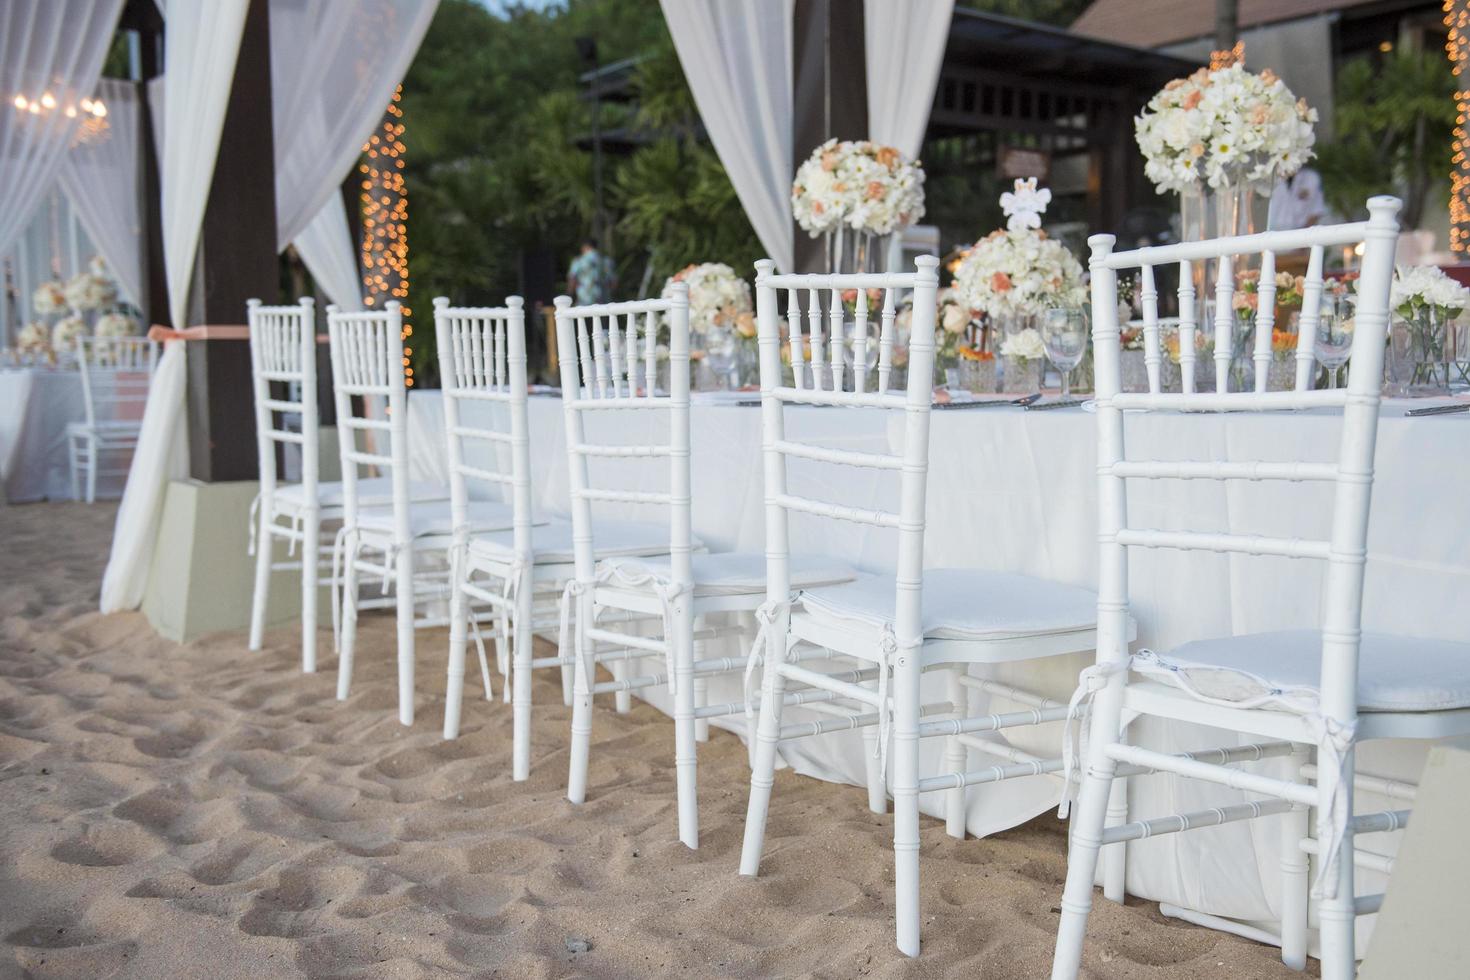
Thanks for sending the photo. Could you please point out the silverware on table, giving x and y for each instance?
(1441, 409)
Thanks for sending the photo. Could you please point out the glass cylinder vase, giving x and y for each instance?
(854, 250)
(1420, 361)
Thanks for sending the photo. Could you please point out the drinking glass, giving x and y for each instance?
(1064, 337)
(1333, 344)
(722, 355)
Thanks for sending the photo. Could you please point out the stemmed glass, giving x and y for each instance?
(1064, 337)
(1333, 344)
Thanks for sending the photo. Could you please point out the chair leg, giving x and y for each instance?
(906, 801)
(1115, 856)
(403, 589)
(311, 532)
(956, 756)
(520, 702)
(458, 640)
(767, 736)
(1082, 854)
(1337, 916)
(76, 466)
(581, 715)
(1294, 878)
(349, 624)
(622, 700)
(261, 596)
(873, 772)
(92, 471)
(701, 700)
(686, 760)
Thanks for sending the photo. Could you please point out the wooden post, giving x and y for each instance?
(829, 91)
(143, 17)
(236, 262)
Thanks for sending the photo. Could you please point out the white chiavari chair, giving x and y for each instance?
(407, 542)
(1320, 691)
(283, 350)
(518, 573)
(116, 373)
(608, 365)
(902, 624)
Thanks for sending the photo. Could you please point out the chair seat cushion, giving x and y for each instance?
(435, 518)
(1395, 673)
(964, 604)
(738, 572)
(552, 542)
(370, 493)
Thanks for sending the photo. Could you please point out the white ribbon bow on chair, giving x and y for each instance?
(767, 614)
(1091, 680)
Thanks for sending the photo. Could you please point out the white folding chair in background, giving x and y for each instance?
(900, 624)
(608, 365)
(1308, 691)
(116, 373)
(406, 542)
(519, 573)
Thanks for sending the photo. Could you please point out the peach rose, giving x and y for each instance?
(1000, 282)
(875, 190)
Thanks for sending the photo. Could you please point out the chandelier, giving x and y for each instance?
(91, 114)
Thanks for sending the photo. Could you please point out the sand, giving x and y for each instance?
(204, 811)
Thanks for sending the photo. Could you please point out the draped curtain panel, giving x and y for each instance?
(905, 48)
(737, 58)
(199, 60)
(101, 179)
(327, 248)
(51, 53)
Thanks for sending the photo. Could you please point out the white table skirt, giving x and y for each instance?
(1015, 490)
(36, 405)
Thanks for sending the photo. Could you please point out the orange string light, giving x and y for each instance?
(385, 223)
(1457, 46)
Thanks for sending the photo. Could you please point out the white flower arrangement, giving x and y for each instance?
(49, 298)
(67, 332)
(1224, 125)
(1019, 273)
(717, 298)
(860, 185)
(114, 325)
(90, 291)
(1417, 287)
(33, 338)
(1024, 345)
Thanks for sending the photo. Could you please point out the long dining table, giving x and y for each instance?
(1016, 490)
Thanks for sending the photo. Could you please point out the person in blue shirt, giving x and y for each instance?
(590, 276)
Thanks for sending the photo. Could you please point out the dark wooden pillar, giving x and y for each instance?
(236, 262)
(143, 18)
(829, 91)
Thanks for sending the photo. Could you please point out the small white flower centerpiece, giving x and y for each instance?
(66, 333)
(49, 298)
(1422, 359)
(721, 319)
(857, 193)
(33, 342)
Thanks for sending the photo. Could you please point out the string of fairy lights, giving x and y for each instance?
(385, 223)
(1457, 45)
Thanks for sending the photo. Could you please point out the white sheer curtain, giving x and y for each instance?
(199, 60)
(101, 179)
(51, 53)
(905, 47)
(737, 58)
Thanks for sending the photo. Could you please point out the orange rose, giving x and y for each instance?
(888, 157)
(1000, 282)
(1192, 99)
(875, 190)
(829, 161)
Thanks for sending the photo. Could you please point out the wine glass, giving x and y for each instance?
(1064, 337)
(1333, 344)
(722, 355)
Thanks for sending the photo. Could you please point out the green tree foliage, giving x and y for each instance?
(1394, 121)
(499, 163)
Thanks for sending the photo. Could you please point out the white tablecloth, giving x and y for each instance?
(1016, 490)
(36, 405)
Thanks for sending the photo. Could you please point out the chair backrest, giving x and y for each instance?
(283, 362)
(367, 364)
(116, 373)
(608, 356)
(1351, 475)
(482, 369)
(840, 385)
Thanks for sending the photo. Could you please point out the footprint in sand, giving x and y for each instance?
(107, 846)
(56, 945)
(236, 862)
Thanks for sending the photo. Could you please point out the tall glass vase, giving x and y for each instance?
(853, 250)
